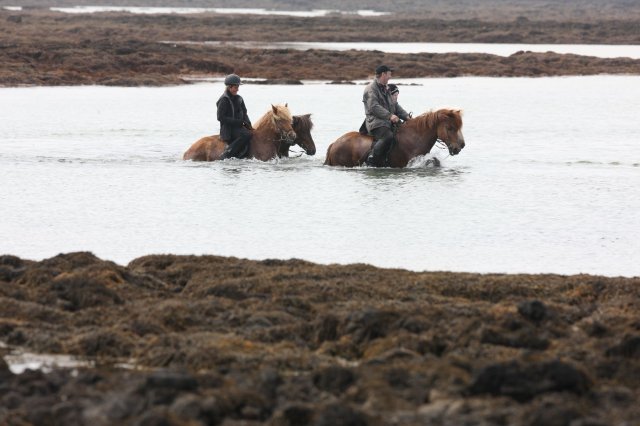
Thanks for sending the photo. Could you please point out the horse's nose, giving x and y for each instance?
(291, 135)
(311, 151)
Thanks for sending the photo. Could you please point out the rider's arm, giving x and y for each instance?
(400, 112)
(247, 120)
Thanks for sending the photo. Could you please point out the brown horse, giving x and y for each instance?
(271, 130)
(302, 125)
(414, 138)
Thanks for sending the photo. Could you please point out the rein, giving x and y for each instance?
(285, 140)
(299, 153)
(442, 145)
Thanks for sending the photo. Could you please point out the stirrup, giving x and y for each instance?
(225, 153)
(370, 161)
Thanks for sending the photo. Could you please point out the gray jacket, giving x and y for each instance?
(378, 106)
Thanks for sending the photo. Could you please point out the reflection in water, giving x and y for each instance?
(386, 178)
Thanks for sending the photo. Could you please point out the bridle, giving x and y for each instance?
(284, 140)
(299, 154)
(291, 144)
(442, 145)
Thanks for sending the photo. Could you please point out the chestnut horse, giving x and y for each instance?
(302, 125)
(414, 138)
(271, 130)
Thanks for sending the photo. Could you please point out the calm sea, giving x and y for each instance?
(549, 180)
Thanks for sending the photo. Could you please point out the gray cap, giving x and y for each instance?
(232, 80)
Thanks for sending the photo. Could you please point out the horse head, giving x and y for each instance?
(449, 129)
(283, 123)
(302, 125)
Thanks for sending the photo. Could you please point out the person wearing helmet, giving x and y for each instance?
(382, 114)
(235, 125)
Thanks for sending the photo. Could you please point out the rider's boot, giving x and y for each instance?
(243, 152)
(238, 148)
(227, 153)
(373, 159)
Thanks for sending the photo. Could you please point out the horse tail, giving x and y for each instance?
(327, 160)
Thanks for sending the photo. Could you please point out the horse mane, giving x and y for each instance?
(269, 119)
(303, 123)
(430, 119)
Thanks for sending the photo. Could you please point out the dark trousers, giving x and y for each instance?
(382, 143)
(239, 145)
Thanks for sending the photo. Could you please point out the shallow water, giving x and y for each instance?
(500, 49)
(190, 10)
(549, 180)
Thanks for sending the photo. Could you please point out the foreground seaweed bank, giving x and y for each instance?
(214, 340)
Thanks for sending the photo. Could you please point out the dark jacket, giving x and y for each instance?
(378, 106)
(232, 115)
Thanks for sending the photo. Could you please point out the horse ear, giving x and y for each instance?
(286, 105)
(456, 117)
(275, 110)
(307, 115)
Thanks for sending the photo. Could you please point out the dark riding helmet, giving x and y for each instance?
(393, 88)
(232, 80)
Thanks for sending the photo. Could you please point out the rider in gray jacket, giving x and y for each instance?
(381, 114)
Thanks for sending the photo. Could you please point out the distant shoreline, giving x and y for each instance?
(43, 48)
(482, 10)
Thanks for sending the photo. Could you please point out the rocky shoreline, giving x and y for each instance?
(39, 47)
(214, 340)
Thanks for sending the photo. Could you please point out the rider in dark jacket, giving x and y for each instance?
(235, 124)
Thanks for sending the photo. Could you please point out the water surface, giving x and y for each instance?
(190, 10)
(549, 180)
(500, 49)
